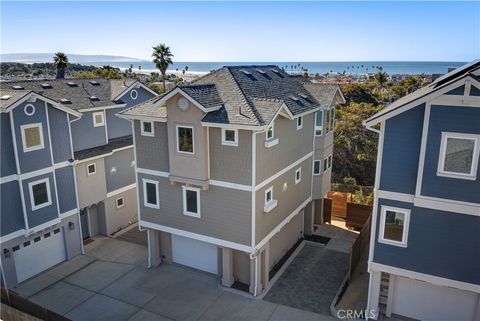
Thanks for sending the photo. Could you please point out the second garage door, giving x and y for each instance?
(194, 253)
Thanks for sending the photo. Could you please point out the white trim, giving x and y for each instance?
(49, 195)
(240, 187)
(143, 132)
(227, 142)
(178, 141)
(447, 205)
(137, 201)
(32, 96)
(300, 118)
(406, 225)
(104, 155)
(145, 203)
(423, 148)
(373, 266)
(97, 113)
(54, 174)
(8, 179)
(319, 167)
(121, 190)
(456, 100)
(299, 171)
(152, 172)
(123, 202)
(197, 214)
(68, 213)
(101, 108)
(267, 191)
(43, 226)
(24, 143)
(141, 117)
(94, 169)
(178, 90)
(272, 126)
(136, 84)
(281, 225)
(25, 110)
(395, 196)
(13, 235)
(283, 171)
(443, 149)
(203, 238)
(208, 152)
(315, 126)
(253, 180)
(271, 142)
(132, 92)
(234, 126)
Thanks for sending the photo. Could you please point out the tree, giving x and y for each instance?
(162, 58)
(381, 78)
(60, 60)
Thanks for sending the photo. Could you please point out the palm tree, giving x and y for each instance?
(381, 78)
(162, 58)
(60, 60)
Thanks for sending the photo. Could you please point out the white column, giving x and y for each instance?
(373, 295)
(227, 267)
(154, 258)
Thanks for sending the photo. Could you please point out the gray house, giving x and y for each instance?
(424, 260)
(62, 152)
(232, 169)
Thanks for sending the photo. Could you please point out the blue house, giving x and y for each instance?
(63, 152)
(424, 259)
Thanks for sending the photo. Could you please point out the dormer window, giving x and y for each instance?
(230, 137)
(459, 155)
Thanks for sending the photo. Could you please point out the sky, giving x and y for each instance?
(247, 31)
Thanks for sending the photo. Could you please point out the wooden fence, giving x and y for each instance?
(24, 305)
(361, 243)
(339, 203)
(357, 215)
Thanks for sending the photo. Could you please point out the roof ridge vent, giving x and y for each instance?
(5, 97)
(72, 84)
(17, 87)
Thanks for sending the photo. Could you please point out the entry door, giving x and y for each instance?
(84, 222)
(194, 253)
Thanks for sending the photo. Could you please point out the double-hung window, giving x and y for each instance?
(191, 201)
(151, 197)
(394, 224)
(147, 128)
(230, 137)
(459, 155)
(40, 195)
(317, 167)
(319, 123)
(32, 137)
(185, 139)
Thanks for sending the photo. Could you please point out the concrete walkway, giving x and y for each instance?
(312, 280)
(111, 282)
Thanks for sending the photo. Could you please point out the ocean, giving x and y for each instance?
(352, 67)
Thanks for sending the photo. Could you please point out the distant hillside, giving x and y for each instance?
(48, 57)
(36, 70)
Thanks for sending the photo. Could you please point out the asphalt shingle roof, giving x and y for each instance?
(14, 96)
(147, 109)
(206, 95)
(104, 149)
(78, 96)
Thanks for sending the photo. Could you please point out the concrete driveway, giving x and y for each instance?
(111, 282)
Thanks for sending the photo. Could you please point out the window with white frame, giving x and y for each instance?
(191, 201)
(330, 161)
(270, 203)
(147, 128)
(185, 139)
(151, 197)
(40, 195)
(331, 120)
(32, 137)
(298, 175)
(270, 132)
(229, 137)
(317, 167)
(299, 122)
(91, 169)
(120, 202)
(459, 155)
(319, 123)
(134, 94)
(327, 163)
(394, 224)
(98, 119)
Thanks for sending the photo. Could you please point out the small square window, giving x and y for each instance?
(91, 169)
(98, 119)
(299, 122)
(147, 128)
(459, 155)
(191, 201)
(32, 137)
(230, 137)
(151, 194)
(316, 167)
(298, 175)
(120, 202)
(40, 195)
(270, 132)
(394, 224)
(270, 203)
(185, 139)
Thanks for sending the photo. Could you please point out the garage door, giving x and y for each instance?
(38, 254)
(424, 301)
(194, 253)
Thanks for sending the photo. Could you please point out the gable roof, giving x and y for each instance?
(468, 70)
(75, 93)
(252, 95)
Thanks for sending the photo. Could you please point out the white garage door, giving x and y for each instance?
(38, 254)
(424, 301)
(194, 253)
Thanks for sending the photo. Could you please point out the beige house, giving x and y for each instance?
(231, 170)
